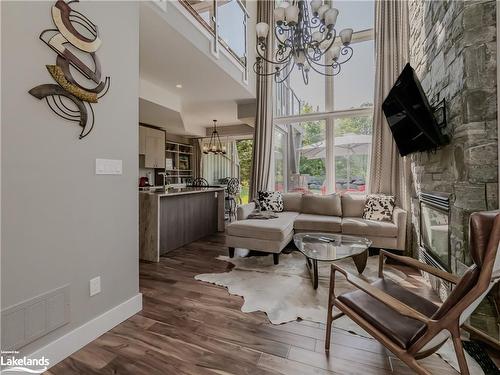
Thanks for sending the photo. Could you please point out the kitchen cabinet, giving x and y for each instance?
(154, 148)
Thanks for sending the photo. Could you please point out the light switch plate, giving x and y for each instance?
(108, 166)
(95, 286)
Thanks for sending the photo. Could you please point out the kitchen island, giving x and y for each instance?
(175, 217)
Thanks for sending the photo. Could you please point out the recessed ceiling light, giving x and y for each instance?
(179, 86)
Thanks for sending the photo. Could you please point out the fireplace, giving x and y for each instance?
(435, 229)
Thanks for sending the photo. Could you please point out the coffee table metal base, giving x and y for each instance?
(312, 265)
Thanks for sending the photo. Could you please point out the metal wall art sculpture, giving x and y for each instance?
(75, 41)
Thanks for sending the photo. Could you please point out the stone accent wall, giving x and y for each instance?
(453, 51)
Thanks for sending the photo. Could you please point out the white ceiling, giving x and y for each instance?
(168, 58)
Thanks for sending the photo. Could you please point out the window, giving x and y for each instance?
(280, 160)
(354, 86)
(358, 15)
(310, 173)
(325, 127)
(312, 95)
(219, 167)
(245, 150)
(352, 150)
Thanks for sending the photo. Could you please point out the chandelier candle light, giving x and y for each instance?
(215, 145)
(308, 42)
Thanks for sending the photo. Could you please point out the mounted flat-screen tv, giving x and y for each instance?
(410, 116)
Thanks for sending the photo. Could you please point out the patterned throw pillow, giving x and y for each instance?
(379, 207)
(270, 201)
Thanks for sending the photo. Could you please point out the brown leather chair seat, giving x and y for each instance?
(400, 329)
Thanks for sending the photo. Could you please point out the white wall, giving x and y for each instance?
(62, 224)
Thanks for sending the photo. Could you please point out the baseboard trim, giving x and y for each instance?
(72, 341)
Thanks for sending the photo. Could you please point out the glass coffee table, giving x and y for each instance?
(330, 247)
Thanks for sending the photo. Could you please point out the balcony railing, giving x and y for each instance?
(226, 20)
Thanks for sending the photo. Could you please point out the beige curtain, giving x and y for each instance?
(263, 133)
(197, 157)
(389, 172)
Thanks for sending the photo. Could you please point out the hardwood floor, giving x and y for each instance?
(191, 327)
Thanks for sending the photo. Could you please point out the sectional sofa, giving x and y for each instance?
(314, 213)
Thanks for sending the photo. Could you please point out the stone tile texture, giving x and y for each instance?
(453, 50)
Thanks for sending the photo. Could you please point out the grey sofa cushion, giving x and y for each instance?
(292, 202)
(363, 227)
(321, 204)
(353, 204)
(273, 229)
(324, 223)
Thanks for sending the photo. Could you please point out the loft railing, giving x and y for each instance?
(226, 20)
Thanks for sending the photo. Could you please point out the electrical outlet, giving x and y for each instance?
(95, 286)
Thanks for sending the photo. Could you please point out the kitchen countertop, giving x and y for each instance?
(182, 191)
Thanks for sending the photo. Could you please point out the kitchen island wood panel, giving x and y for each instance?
(180, 216)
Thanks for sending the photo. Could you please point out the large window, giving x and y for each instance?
(280, 159)
(323, 129)
(310, 158)
(352, 147)
(245, 150)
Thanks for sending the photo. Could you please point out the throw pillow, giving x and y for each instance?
(379, 207)
(270, 201)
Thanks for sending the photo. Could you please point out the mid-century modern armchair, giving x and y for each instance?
(409, 325)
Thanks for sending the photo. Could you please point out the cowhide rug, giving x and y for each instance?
(285, 293)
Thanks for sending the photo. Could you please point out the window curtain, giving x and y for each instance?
(236, 161)
(197, 157)
(263, 132)
(389, 172)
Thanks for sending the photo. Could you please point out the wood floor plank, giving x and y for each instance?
(94, 356)
(288, 367)
(332, 363)
(188, 327)
(351, 341)
(433, 363)
(303, 330)
(210, 344)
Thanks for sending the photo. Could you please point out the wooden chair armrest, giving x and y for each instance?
(416, 264)
(381, 296)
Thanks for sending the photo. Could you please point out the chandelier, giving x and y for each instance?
(215, 145)
(306, 39)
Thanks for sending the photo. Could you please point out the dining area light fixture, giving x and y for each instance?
(215, 145)
(306, 38)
